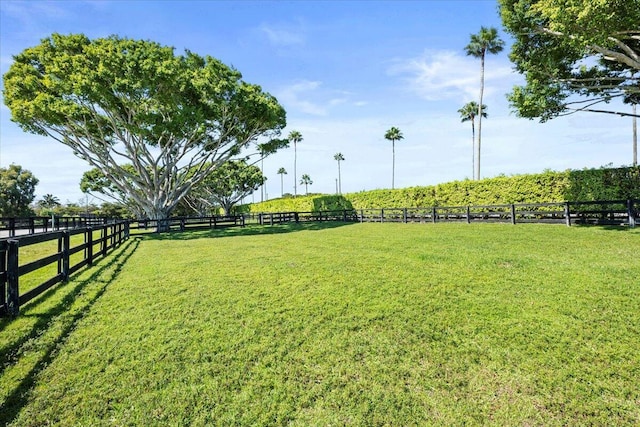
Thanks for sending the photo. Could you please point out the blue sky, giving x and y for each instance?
(345, 73)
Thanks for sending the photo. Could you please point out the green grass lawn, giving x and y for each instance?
(329, 324)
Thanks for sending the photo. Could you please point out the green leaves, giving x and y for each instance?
(117, 101)
(17, 188)
(572, 47)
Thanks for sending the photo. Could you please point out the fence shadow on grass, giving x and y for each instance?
(249, 230)
(10, 354)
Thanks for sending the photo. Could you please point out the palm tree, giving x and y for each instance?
(49, 201)
(306, 181)
(339, 157)
(468, 113)
(486, 41)
(295, 137)
(282, 172)
(394, 134)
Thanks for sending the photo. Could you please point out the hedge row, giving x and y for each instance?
(550, 186)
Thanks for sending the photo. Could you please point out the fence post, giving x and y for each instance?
(513, 214)
(65, 255)
(404, 215)
(103, 243)
(297, 218)
(381, 215)
(13, 294)
(468, 214)
(631, 213)
(89, 240)
(12, 227)
(567, 214)
(434, 215)
(3, 284)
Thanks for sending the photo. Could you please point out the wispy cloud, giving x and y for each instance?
(444, 74)
(310, 97)
(283, 36)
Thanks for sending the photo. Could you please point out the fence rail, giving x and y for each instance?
(191, 223)
(608, 212)
(11, 269)
(12, 227)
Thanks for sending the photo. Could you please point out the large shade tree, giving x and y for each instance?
(393, 134)
(468, 113)
(116, 101)
(575, 55)
(17, 191)
(484, 42)
(227, 185)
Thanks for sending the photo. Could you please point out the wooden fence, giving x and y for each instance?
(11, 227)
(11, 269)
(191, 223)
(608, 212)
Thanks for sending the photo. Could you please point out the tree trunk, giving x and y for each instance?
(295, 175)
(161, 214)
(635, 137)
(393, 163)
(339, 179)
(480, 116)
(473, 146)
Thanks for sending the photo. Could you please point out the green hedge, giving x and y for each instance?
(549, 186)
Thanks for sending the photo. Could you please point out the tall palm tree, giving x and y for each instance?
(295, 137)
(282, 172)
(468, 113)
(486, 41)
(339, 158)
(306, 181)
(394, 134)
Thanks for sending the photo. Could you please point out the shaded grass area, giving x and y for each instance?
(364, 324)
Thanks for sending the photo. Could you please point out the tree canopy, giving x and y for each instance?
(226, 186)
(589, 48)
(117, 101)
(17, 191)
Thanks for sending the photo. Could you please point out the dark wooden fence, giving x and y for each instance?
(190, 223)
(608, 212)
(11, 227)
(92, 248)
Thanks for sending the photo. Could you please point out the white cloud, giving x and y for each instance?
(445, 74)
(310, 97)
(283, 37)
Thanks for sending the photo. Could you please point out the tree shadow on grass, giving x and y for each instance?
(249, 230)
(10, 355)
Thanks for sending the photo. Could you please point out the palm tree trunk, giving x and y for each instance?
(262, 186)
(339, 179)
(281, 185)
(480, 117)
(393, 163)
(295, 175)
(473, 146)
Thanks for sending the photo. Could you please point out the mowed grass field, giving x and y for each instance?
(332, 324)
